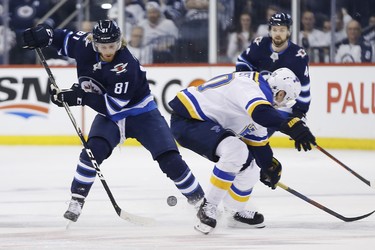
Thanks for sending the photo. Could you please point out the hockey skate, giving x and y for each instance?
(207, 217)
(74, 209)
(245, 219)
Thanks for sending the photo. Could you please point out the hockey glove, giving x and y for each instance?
(298, 113)
(271, 176)
(37, 37)
(73, 96)
(299, 132)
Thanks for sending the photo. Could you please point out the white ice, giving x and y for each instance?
(35, 183)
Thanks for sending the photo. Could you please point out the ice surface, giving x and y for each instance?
(34, 191)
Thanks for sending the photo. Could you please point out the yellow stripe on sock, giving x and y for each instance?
(237, 197)
(225, 185)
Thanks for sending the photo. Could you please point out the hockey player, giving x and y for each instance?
(114, 84)
(266, 54)
(226, 121)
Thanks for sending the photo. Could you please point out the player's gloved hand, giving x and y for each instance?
(73, 96)
(271, 176)
(299, 132)
(37, 37)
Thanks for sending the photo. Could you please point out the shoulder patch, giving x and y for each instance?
(301, 53)
(258, 40)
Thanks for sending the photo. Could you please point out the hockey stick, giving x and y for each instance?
(369, 183)
(316, 204)
(123, 214)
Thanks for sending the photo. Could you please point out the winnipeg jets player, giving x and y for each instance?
(226, 121)
(112, 82)
(266, 54)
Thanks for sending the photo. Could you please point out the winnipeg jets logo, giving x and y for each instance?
(301, 53)
(97, 66)
(119, 68)
(91, 87)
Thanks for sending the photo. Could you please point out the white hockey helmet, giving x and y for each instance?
(284, 79)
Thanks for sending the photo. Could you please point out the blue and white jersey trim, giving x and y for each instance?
(116, 107)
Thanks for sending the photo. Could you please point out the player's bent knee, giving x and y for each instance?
(233, 154)
(247, 178)
(100, 148)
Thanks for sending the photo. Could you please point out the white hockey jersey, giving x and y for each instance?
(229, 100)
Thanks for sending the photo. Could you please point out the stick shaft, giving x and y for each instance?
(344, 166)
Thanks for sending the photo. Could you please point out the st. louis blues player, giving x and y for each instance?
(226, 120)
(266, 54)
(113, 83)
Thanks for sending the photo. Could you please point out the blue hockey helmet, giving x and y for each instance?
(280, 19)
(106, 31)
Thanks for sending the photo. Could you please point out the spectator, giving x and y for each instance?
(309, 35)
(134, 13)
(370, 34)
(135, 46)
(315, 41)
(225, 12)
(326, 27)
(342, 20)
(356, 49)
(241, 38)
(263, 28)
(7, 41)
(194, 32)
(24, 14)
(175, 10)
(159, 32)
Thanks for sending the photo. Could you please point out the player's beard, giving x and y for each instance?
(279, 42)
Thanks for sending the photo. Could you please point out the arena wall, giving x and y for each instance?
(342, 112)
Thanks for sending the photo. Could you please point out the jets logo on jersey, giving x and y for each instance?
(89, 86)
(119, 68)
(301, 53)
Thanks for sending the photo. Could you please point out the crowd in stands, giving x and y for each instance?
(176, 31)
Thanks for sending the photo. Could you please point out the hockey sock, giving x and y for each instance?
(83, 178)
(176, 169)
(220, 183)
(85, 172)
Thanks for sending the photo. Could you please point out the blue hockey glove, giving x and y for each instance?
(73, 96)
(299, 132)
(37, 37)
(271, 176)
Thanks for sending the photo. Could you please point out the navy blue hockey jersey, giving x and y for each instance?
(260, 57)
(115, 89)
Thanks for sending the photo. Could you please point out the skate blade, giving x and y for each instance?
(68, 224)
(237, 224)
(203, 228)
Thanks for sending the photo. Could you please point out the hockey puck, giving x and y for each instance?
(172, 200)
